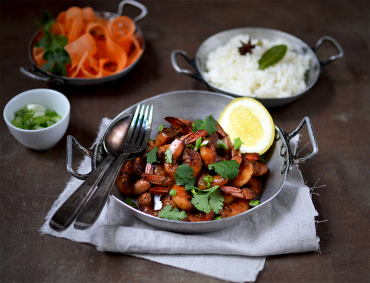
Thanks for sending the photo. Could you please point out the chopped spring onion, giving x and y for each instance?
(207, 180)
(35, 117)
(218, 217)
(221, 144)
(161, 127)
(172, 192)
(254, 202)
(198, 143)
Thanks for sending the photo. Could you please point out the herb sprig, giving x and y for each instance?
(55, 55)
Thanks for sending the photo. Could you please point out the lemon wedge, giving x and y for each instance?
(247, 119)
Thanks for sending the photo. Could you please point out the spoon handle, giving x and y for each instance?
(95, 205)
(69, 210)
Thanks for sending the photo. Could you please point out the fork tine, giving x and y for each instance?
(132, 126)
(144, 126)
(148, 129)
(138, 126)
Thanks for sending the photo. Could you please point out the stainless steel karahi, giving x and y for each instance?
(38, 74)
(221, 38)
(192, 105)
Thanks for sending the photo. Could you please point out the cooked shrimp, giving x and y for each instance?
(159, 190)
(177, 148)
(192, 158)
(208, 152)
(182, 198)
(259, 168)
(238, 206)
(167, 200)
(159, 180)
(245, 193)
(128, 175)
(145, 203)
(200, 216)
(185, 126)
(217, 180)
(166, 136)
(228, 198)
(251, 190)
(246, 169)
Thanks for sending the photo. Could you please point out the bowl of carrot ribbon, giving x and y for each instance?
(86, 47)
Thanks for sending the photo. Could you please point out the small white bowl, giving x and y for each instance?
(42, 139)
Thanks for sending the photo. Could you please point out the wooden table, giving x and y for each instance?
(338, 106)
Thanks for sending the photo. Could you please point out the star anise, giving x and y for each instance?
(246, 47)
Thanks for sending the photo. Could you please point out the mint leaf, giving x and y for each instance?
(151, 156)
(227, 168)
(184, 176)
(207, 200)
(172, 214)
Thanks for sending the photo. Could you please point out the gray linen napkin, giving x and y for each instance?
(234, 254)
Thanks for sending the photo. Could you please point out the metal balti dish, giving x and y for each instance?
(221, 38)
(34, 72)
(199, 104)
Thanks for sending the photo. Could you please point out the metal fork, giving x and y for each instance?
(136, 141)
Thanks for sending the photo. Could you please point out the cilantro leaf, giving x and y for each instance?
(151, 156)
(197, 124)
(184, 176)
(171, 214)
(209, 124)
(130, 203)
(168, 156)
(237, 143)
(56, 56)
(56, 62)
(227, 168)
(207, 200)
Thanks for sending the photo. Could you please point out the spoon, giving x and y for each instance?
(112, 143)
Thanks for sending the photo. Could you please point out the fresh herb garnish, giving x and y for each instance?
(130, 203)
(34, 119)
(221, 144)
(254, 202)
(209, 199)
(184, 176)
(53, 45)
(207, 180)
(227, 168)
(272, 56)
(237, 143)
(209, 124)
(172, 214)
(198, 142)
(168, 156)
(151, 156)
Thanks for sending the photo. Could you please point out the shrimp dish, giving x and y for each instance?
(196, 172)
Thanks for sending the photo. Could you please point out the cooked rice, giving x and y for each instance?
(239, 74)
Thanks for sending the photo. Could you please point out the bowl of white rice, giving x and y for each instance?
(221, 65)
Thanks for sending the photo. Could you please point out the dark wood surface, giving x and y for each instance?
(338, 106)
